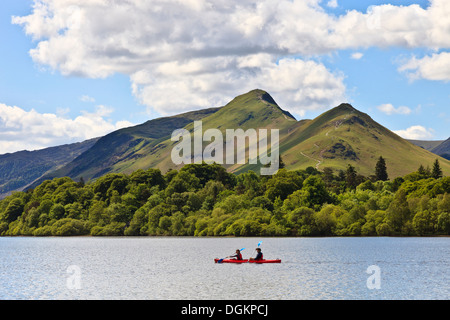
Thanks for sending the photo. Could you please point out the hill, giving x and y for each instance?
(149, 145)
(19, 169)
(118, 150)
(443, 149)
(253, 110)
(338, 137)
(344, 135)
(427, 144)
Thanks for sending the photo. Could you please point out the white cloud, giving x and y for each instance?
(416, 133)
(332, 4)
(357, 55)
(86, 98)
(295, 84)
(31, 130)
(182, 55)
(389, 109)
(435, 67)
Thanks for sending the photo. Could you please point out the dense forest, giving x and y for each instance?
(206, 200)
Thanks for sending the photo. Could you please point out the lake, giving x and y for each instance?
(183, 268)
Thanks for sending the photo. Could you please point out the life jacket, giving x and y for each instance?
(239, 256)
(259, 256)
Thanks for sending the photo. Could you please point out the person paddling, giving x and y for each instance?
(237, 256)
(259, 255)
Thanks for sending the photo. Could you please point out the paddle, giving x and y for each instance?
(220, 260)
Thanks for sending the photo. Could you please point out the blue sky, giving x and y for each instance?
(72, 70)
(29, 85)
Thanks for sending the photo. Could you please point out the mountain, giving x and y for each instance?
(338, 137)
(118, 150)
(149, 145)
(427, 144)
(443, 149)
(19, 169)
(344, 135)
(253, 110)
(439, 147)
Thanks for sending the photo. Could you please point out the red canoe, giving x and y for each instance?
(247, 261)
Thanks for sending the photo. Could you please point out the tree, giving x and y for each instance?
(13, 210)
(301, 220)
(281, 163)
(150, 177)
(443, 222)
(57, 211)
(423, 172)
(328, 176)
(282, 184)
(206, 172)
(350, 176)
(326, 220)
(425, 222)
(437, 171)
(398, 212)
(81, 182)
(313, 195)
(183, 182)
(380, 170)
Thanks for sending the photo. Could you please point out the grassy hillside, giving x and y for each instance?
(255, 110)
(19, 169)
(124, 146)
(345, 136)
(338, 137)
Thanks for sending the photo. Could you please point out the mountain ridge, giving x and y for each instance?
(443, 149)
(19, 169)
(119, 144)
(340, 136)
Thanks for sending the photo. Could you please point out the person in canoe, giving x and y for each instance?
(259, 255)
(237, 256)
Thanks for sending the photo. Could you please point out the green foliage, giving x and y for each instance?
(205, 200)
(380, 170)
(283, 183)
(437, 171)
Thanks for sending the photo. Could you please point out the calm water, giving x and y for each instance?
(183, 268)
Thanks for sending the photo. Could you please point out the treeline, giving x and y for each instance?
(205, 200)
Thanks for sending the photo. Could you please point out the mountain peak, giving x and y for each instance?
(256, 94)
(258, 99)
(262, 95)
(268, 98)
(346, 107)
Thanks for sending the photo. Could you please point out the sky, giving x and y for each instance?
(74, 70)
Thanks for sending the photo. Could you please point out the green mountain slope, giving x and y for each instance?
(19, 169)
(343, 136)
(253, 110)
(124, 146)
(338, 137)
